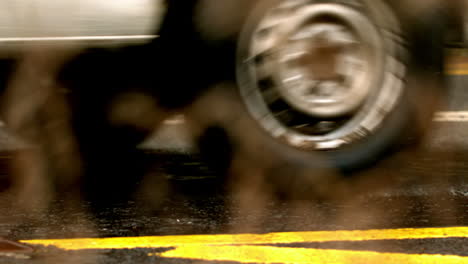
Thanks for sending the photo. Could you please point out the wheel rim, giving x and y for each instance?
(320, 76)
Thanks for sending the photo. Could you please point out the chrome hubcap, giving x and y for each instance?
(322, 75)
(323, 60)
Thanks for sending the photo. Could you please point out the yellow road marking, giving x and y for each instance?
(268, 254)
(457, 72)
(240, 239)
(456, 68)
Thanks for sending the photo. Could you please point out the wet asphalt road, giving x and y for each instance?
(419, 187)
(428, 190)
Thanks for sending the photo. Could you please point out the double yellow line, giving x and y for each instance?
(270, 254)
(256, 248)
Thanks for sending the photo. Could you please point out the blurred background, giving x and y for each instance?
(131, 118)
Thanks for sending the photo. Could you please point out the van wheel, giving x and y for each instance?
(341, 77)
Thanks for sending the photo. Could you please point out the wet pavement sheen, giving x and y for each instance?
(428, 189)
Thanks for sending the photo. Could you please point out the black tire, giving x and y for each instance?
(417, 44)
